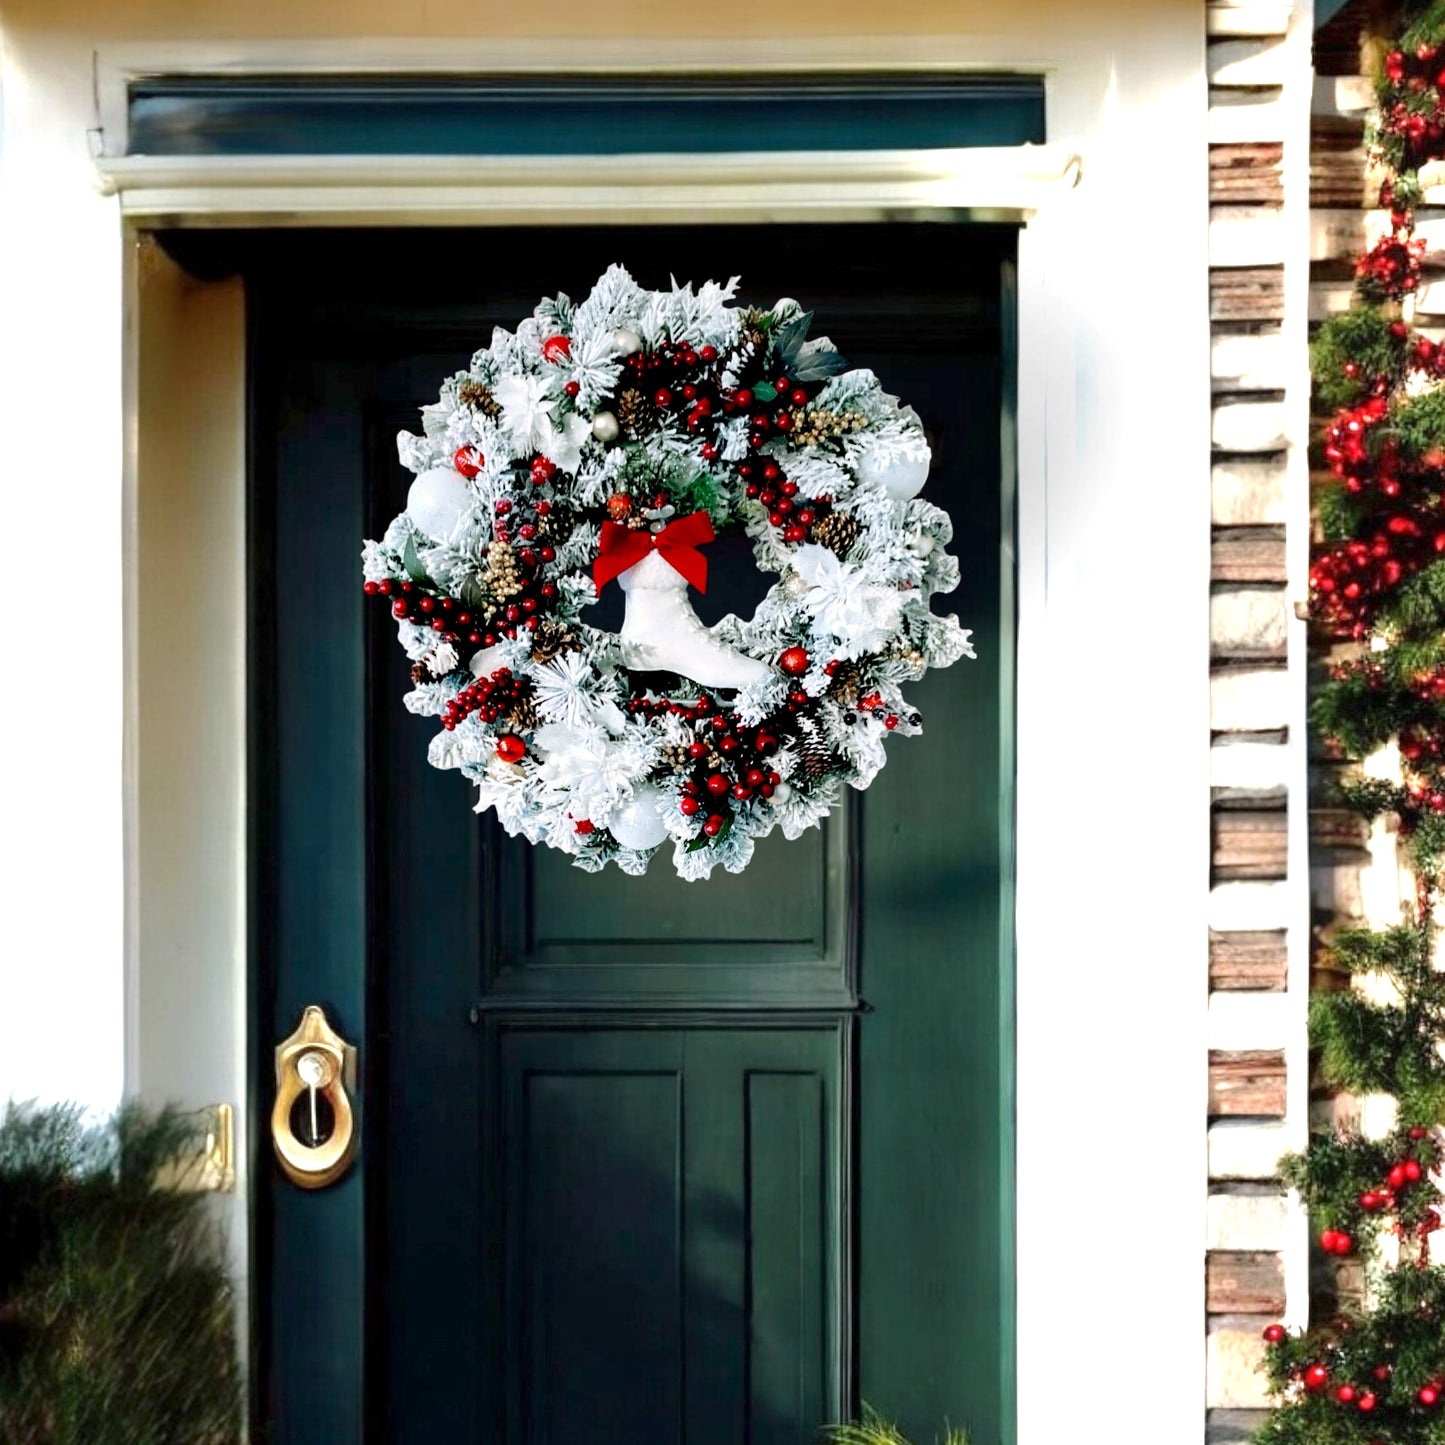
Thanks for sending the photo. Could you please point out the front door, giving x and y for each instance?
(642, 1161)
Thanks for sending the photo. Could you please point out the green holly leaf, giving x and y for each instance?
(412, 563)
(765, 391)
(701, 841)
(474, 594)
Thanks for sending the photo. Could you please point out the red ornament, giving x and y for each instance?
(556, 349)
(1369, 1200)
(793, 661)
(468, 461)
(1396, 1177)
(1418, 1132)
(1428, 1395)
(1345, 1394)
(1316, 1377)
(511, 749)
(1366, 1402)
(1412, 1169)
(1274, 1333)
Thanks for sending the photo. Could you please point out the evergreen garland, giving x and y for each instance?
(1375, 1374)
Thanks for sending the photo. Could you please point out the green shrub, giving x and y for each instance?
(116, 1314)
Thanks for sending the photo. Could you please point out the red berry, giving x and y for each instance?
(556, 348)
(717, 784)
(1274, 1333)
(572, 388)
(713, 826)
(468, 461)
(709, 452)
(400, 607)
(1345, 1394)
(511, 749)
(1366, 1401)
(1369, 1200)
(1412, 1169)
(1418, 1132)
(891, 721)
(793, 661)
(742, 399)
(662, 398)
(688, 806)
(1396, 1177)
(707, 353)
(799, 397)
(371, 588)
(1316, 1377)
(1428, 1395)
(1327, 1240)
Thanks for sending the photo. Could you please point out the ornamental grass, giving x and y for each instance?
(117, 1323)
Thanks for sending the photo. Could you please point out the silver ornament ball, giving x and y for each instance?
(604, 427)
(626, 342)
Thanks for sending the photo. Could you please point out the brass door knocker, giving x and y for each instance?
(313, 1127)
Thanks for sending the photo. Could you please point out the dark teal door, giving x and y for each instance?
(642, 1161)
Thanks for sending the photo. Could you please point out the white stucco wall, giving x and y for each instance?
(1113, 697)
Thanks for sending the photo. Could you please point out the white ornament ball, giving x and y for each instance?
(900, 477)
(782, 792)
(626, 342)
(437, 501)
(639, 824)
(604, 427)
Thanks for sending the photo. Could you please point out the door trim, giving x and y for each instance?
(1064, 347)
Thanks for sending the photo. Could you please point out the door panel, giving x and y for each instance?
(641, 1159)
(671, 1212)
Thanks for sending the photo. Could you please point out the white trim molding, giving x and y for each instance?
(988, 183)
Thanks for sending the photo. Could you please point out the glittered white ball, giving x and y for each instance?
(639, 824)
(782, 792)
(604, 427)
(626, 342)
(900, 477)
(437, 500)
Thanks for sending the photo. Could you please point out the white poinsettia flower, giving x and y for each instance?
(591, 771)
(859, 614)
(568, 689)
(527, 408)
(562, 445)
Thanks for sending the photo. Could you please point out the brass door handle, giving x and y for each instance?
(313, 1128)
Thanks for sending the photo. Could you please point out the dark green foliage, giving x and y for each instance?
(1418, 603)
(116, 1317)
(1359, 337)
(1389, 1353)
(1417, 424)
(873, 1429)
(1368, 1047)
(1342, 513)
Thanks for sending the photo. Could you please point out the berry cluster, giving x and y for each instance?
(1350, 580)
(1390, 269)
(1412, 115)
(489, 697)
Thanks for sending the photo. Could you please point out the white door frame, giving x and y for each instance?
(1112, 657)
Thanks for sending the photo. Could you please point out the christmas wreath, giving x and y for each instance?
(610, 440)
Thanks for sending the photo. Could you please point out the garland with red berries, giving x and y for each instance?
(609, 441)
(1373, 1371)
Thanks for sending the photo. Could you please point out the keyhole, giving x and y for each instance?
(312, 1117)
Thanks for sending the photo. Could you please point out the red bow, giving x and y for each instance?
(621, 548)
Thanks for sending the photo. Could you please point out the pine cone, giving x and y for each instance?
(635, 414)
(846, 684)
(503, 577)
(551, 640)
(838, 532)
(478, 396)
(522, 714)
(813, 750)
